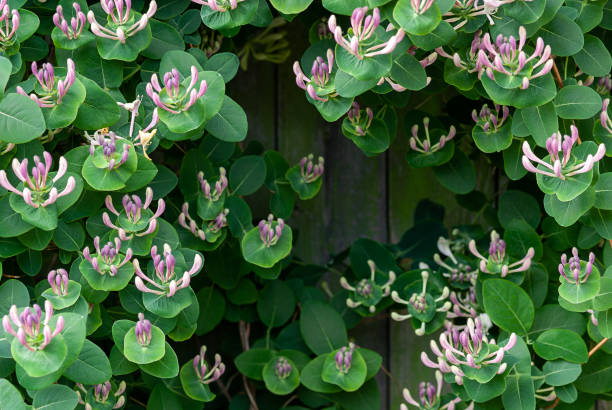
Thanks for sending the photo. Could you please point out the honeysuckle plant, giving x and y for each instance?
(368, 292)
(498, 262)
(108, 268)
(102, 394)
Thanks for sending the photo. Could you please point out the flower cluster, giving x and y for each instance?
(282, 368)
(460, 274)
(51, 91)
(489, 121)
(269, 232)
(143, 330)
(464, 304)
(561, 166)
(38, 186)
(9, 23)
(108, 146)
(574, 268)
(421, 305)
(367, 292)
(470, 61)
(464, 10)
(107, 259)
(604, 85)
(173, 97)
(214, 226)
(101, 393)
(135, 213)
(429, 396)
(344, 358)
(121, 20)
(498, 261)
(220, 185)
(425, 146)
(28, 323)
(361, 39)
(205, 374)
(317, 86)
(361, 123)
(421, 6)
(219, 5)
(58, 279)
(165, 275)
(73, 30)
(604, 118)
(508, 58)
(470, 348)
(309, 170)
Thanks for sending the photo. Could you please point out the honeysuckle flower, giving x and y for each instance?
(143, 330)
(211, 42)
(604, 85)
(102, 392)
(52, 89)
(459, 274)
(425, 146)
(470, 61)
(173, 97)
(361, 123)
(560, 166)
(58, 279)
(470, 348)
(344, 358)
(421, 6)
(498, 261)
(9, 23)
(394, 86)
(134, 210)
(6, 147)
(317, 86)
(186, 221)
(108, 143)
(367, 292)
(464, 304)
(418, 304)
(269, 234)
(310, 171)
(323, 31)
(219, 5)
(207, 374)
(166, 282)
(464, 10)
(489, 121)
(508, 58)
(219, 222)
(593, 317)
(220, 186)
(360, 40)
(429, 396)
(574, 268)
(604, 118)
(29, 323)
(107, 259)
(282, 368)
(121, 22)
(38, 188)
(71, 30)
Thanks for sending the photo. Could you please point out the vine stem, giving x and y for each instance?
(597, 346)
(245, 331)
(557, 74)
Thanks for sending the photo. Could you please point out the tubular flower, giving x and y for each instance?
(207, 374)
(421, 306)
(187, 222)
(469, 348)
(270, 232)
(470, 61)
(572, 270)
(489, 121)
(508, 58)
(604, 118)
(220, 186)
(464, 305)
(101, 393)
(112, 157)
(73, 30)
(361, 38)
(9, 23)
(50, 92)
(143, 330)
(604, 85)
(459, 275)
(498, 261)
(58, 279)
(175, 97)
(421, 6)
(311, 172)
(367, 292)
(219, 222)
(282, 368)
(429, 396)
(360, 123)
(121, 20)
(107, 259)
(38, 187)
(135, 215)
(464, 10)
(165, 282)
(28, 323)
(425, 146)
(560, 166)
(344, 358)
(318, 85)
(219, 5)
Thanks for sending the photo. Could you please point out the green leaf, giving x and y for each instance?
(567, 213)
(518, 205)
(55, 397)
(493, 141)
(519, 237)
(225, 64)
(69, 236)
(409, 73)
(524, 11)
(40, 363)
(5, 73)
(276, 304)
(150, 353)
(10, 398)
(99, 109)
(230, 123)
(540, 91)
(247, 175)
(582, 292)
(322, 328)
(482, 392)
(91, 367)
(212, 309)
(256, 252)
(165, 368)
(165, 38)
(457, 175)
(275, 384)
(594, 58)
(541, 121)
(560, 372)
(577, 102)
(21, 120)
(350, 381)
(561, 344)
(192, 385)
(562, 35)
(251, 362)
(413, 23)
(508, 306)
(291, 6)
(13, 292)
(519, 393)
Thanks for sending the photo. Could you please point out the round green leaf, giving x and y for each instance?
(322, 328)
(275, 384)
(561, 344)
(247, 174)
(350, 381)
(276, 303)
(256, 252)
(136, 353)
(508, 306)
(577, 102)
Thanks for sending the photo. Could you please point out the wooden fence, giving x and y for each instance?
(361, 197)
